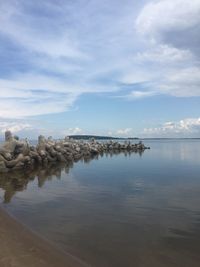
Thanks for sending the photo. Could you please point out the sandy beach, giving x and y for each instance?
(20, 247)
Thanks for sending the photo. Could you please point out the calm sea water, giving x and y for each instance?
(117, 210)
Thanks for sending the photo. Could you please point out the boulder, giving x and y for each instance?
(3, 167)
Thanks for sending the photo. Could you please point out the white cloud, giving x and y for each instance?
(14, 127)
(168, 15)
(33, 94)
(59, 52)
(16, 24)
(23, 83)
(110, 133)
(187, 127)
(134, 75)
(48, 46)
(172, 30)
(184, 82)
(37, 104)
(166, 54)
(124, 132)
(72, 131)
(140, 94)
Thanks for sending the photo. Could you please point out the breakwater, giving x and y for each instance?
(20, 154)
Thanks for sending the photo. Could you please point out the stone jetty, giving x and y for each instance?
(18, 154)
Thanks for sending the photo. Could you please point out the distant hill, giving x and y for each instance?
(99, 137)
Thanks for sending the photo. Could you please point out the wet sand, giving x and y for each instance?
(20, 247)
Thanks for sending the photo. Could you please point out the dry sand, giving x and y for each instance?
(20, 247)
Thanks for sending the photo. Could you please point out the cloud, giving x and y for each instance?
(139, 94)
(72, 131)
(14, 127)
(35, 128)
(22, 99)
(38, 34)
(183, 128)
(184, 83)
(47, 50)
(45, 66)
(164, 53)
(124, 132)
(172, 28)
(53, 53)
(170, 20)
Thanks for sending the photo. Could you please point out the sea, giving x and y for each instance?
(116, 210)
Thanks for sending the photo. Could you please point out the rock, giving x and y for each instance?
(18, 166)
(14, 162)
(41, 143)
(42, 153)
(8, 136)
(16, 154)
(6, 155)
(16, 137)
(93, 151)
(60, 157)
(9, 144)
(3, 167)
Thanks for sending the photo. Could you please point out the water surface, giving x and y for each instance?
(117, 210)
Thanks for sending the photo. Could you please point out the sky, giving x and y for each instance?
(106, 67)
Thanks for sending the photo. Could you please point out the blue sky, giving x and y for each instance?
(110, 67)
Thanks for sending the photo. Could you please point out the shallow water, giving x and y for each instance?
(117, 210)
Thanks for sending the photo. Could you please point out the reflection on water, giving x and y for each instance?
(18, 180)
(118, 210)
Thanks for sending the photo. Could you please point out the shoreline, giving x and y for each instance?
(21, 247)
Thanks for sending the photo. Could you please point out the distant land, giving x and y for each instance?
(99, 137)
